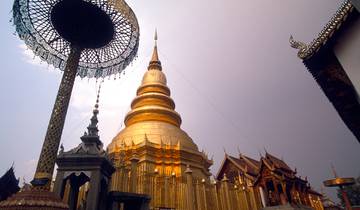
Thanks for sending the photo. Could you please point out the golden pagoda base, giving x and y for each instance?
(288, 207)
(33, 199)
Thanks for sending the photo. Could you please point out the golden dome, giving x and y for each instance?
(154, 76)
(155, 132)
(153, 114)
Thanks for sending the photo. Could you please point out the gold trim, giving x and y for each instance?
(339, 182)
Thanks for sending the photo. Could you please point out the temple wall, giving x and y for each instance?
(185, 191)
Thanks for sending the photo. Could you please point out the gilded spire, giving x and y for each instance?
(155, 62)
(153, 101)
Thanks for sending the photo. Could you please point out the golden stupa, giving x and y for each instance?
(152, 153)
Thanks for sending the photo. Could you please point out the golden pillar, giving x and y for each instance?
(190, 190)
(133, 179)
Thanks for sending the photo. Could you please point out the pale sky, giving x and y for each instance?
(234, 78)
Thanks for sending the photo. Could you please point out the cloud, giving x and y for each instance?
(114, 103)
(25, 170)
(30, 58)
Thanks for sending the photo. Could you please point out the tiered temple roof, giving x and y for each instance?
(8, 184)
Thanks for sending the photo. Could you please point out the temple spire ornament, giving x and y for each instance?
(93, 128)
(155, 62)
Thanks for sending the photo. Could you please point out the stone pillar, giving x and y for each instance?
(92, 201)
(73, 195)
(190, 190)
(59, 185)
(133, 179)
(263, 196)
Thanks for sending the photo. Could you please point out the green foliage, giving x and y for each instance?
(353, 193)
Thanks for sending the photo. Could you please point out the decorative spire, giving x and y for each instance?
(155, 62)
(153, 101)
(92, 128)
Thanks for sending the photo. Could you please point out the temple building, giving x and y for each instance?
(267, 183)
(333, 60)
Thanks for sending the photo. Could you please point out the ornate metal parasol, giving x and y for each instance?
(88, 38)
(340, 182)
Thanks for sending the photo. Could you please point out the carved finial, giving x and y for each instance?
(238, 149)
(225, 151)
(301, 46)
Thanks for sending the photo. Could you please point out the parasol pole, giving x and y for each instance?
(46, 163)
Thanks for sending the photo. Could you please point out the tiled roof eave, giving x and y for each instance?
(306, 51)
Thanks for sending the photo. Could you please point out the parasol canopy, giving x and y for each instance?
(107, 31)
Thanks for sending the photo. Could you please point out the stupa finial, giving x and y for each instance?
(155, 62)
(156, 37)
(92, 128)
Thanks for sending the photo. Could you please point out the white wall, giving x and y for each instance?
(347, 50)
(356, 3)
